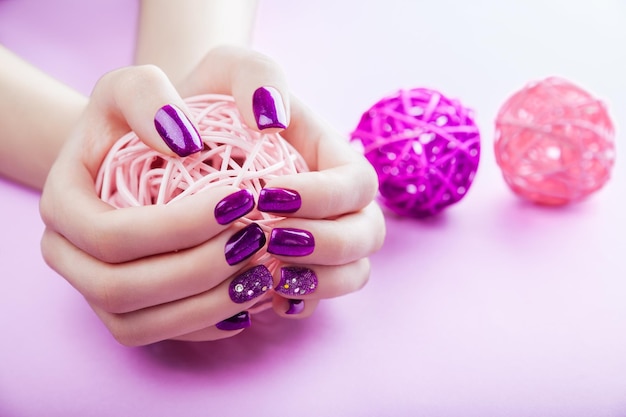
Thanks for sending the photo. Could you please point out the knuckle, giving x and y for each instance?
(370, 181)
(257, 63)
(130, 80)
(47, 249)
(364, 273)
(147, 73)
(108, 293)
(356, 276)
(45, 209)
(343, 252)
(104, 251)
(122, 331)
(263, 61)
(378, 226)
(138, 79)
(102, 244)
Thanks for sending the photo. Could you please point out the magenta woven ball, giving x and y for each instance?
(425, 148)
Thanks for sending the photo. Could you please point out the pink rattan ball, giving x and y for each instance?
(425, 149)
(134, 175)
(554, 142)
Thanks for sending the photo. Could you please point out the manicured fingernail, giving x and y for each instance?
(291, 242)
(279, 200)
(237, 322)
(269, 109)
(296, 280)
(177, 131)
(295, 307)
(250, 284)
(243, 244)
(234, 206)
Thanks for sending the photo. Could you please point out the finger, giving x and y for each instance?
(130, 286)
(255, 81)
(298, 298)
(294, 308)
(70, 207)
(314, 282)
(175, 319)
(141, 99)
(341, 180)
(325, 194)
(328, 242)
(346, 183)
(122, 100)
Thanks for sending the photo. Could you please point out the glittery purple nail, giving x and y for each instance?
(234, 206)
(237, 322)
(295, 307)
(250, 284)
(243, 244)
(269, 109)
(279, 200)
(177, 131)
(296, 280)
(291, 242)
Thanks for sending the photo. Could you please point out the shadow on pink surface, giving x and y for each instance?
(268, 336)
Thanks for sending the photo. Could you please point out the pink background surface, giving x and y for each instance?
(496, 307)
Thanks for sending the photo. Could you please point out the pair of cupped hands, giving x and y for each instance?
(170, 271)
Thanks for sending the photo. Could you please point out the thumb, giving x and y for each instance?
(143, 99)
(256, 82)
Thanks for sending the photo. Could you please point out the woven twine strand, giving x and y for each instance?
(132, 174)
(403, 127)
(554, 142)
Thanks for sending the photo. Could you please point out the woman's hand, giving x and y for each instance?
(168, 272)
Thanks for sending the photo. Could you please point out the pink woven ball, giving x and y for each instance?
(134, 175)
(425, 149)
(554, 142)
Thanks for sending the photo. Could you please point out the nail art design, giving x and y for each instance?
(268, 108)
(279, 200)
(234, 206)
(291, 242)
(177, 131)
(237, 322)
(296, 280)
(295, 307)
(250, 284)
(243, 244)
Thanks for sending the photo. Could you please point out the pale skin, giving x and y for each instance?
(158, 272)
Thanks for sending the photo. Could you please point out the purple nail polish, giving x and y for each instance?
(243, 244)
(295, 307)
(268, 108)
(237, 322)
(291, 242)
(250, 284)
(234, 206)
(177, 131)
(279, 200)
(296, 280)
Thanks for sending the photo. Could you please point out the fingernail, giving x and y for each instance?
(243, 244)
(295, 307)
(234, 206)
(291, 242)
(269, 109)
(296, 280)
(250, 284)
(177, 131)
(279, 200)
(237, 322)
